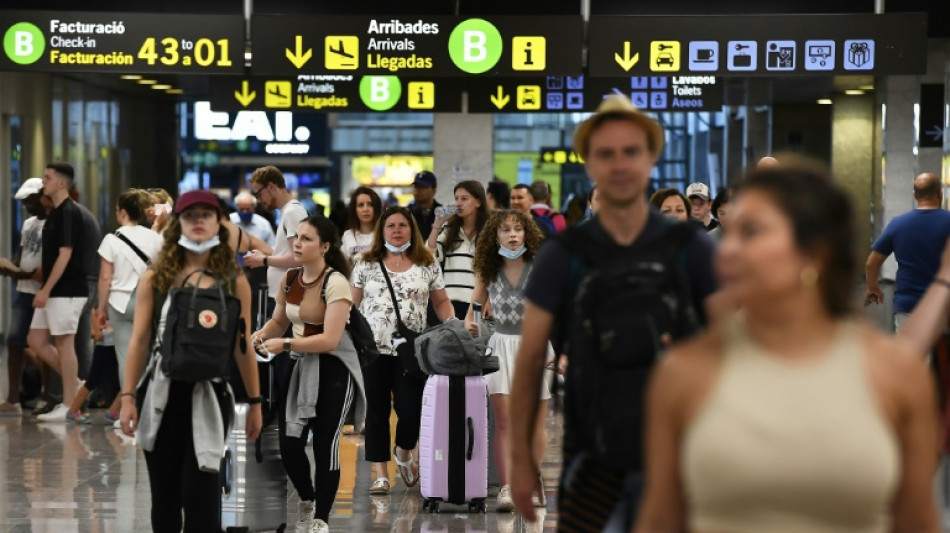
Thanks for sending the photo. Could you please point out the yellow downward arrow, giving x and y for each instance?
(501, 100)
(243, 97)
(298, 57)
(626, 62)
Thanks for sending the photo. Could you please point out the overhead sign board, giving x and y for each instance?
(758, 45)
(76, 41)
(337, 93)
(416, 45)
(578, 94)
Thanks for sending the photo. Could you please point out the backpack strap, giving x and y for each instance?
(291, 277)
(132, 245)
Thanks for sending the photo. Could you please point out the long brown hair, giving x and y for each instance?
(488, 263)
(418, 252)
(454, 226)
(171, 258)
(352, 219)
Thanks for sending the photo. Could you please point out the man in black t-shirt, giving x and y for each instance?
(620, 146)
(424, 204)
(60, 301)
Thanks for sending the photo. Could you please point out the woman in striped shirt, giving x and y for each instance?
(454, 237)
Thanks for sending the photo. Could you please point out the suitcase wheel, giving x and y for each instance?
(281, 528)
(434, 507)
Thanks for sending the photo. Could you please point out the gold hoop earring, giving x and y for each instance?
(809, 277)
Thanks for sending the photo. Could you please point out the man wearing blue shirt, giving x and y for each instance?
(916, 240)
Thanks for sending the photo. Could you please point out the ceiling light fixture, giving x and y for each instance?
(854, 92)
(148, 82)
(161, 87)
(175, 91)
(866, 87)
(130, 77)
(824, 101)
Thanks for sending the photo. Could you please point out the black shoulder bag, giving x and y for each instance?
(405, 351)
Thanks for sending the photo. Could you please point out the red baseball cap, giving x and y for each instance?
(196, 197)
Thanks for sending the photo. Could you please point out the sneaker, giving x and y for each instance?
(505, 503)
(319, 526)
(111, 417)
(42, 407)
(117, 424)
(57, 414)
(78, 417)
(305, 519)
(10, 409)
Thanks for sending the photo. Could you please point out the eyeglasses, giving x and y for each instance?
(257, 193)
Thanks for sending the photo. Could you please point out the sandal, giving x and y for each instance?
(408, 474)
(380, 487)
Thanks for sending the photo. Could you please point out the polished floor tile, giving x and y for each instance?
(89, 478)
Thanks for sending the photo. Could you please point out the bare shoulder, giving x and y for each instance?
(898, 370)
(685, 374)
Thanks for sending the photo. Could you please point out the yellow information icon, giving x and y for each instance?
(528, 97)
(665, 56)
(277, 94)
(528, 53)
(341, 52)
(420, 95)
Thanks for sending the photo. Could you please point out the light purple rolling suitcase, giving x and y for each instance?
(453, 442)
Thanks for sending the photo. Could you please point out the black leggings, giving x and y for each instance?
(336, 392)
(176, 482)
(384, 381)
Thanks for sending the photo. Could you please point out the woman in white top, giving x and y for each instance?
(454, 237)
(125, 258)
(362, 214)
(416, 278)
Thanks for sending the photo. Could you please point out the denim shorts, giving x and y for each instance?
(20, 318)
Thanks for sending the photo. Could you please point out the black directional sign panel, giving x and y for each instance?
(416, 45)
(576, 94)
(121, 42)
(758, 45)
(336, 93)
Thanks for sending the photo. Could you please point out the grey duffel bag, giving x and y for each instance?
(450, 350)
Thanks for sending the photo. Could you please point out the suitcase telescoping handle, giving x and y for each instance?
(471, 439)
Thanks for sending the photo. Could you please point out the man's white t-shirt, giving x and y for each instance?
(354, 244)
(128, 267)
(291, 215)
(31, 253)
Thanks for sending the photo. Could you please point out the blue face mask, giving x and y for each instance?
(198, 247)
(398, 249)
(245, 217)
(511, 254)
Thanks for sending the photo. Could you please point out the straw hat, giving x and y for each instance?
(618, 106)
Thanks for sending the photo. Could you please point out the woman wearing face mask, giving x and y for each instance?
(416, 278)
(454, 238)
(183, 460)
(324, 377)
(365, 208)
(502, 266)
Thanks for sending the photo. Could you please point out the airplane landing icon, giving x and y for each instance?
(341, 52)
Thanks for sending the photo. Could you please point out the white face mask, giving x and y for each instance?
(398, 249)
(511, 254)
(198, 247)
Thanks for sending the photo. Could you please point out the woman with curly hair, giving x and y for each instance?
(183, 458)
(502, 264)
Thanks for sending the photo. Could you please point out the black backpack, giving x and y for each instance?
(201, 330)
(626, 307)
(358, 328)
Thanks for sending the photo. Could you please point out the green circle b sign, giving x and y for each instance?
(475, 46)
(380, 93)
(24, 43)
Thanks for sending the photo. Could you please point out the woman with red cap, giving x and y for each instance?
(182, 424)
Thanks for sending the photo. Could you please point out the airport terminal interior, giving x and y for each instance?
(196, 95)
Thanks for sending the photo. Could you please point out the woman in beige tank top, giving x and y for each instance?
(792, 415)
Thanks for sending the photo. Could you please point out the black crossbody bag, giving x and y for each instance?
(406, 352)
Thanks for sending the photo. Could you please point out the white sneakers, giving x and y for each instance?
(504, 502)
(319, 526)
(58, 414)
(10, 409)
(305, 521)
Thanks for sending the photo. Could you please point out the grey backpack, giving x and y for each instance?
(450, 350)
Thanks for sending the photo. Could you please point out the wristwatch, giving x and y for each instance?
(265, 260)
(255, 400)
(288, 345)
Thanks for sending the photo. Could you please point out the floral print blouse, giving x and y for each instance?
(412, 290)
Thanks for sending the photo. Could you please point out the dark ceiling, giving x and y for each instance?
(938, 10)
